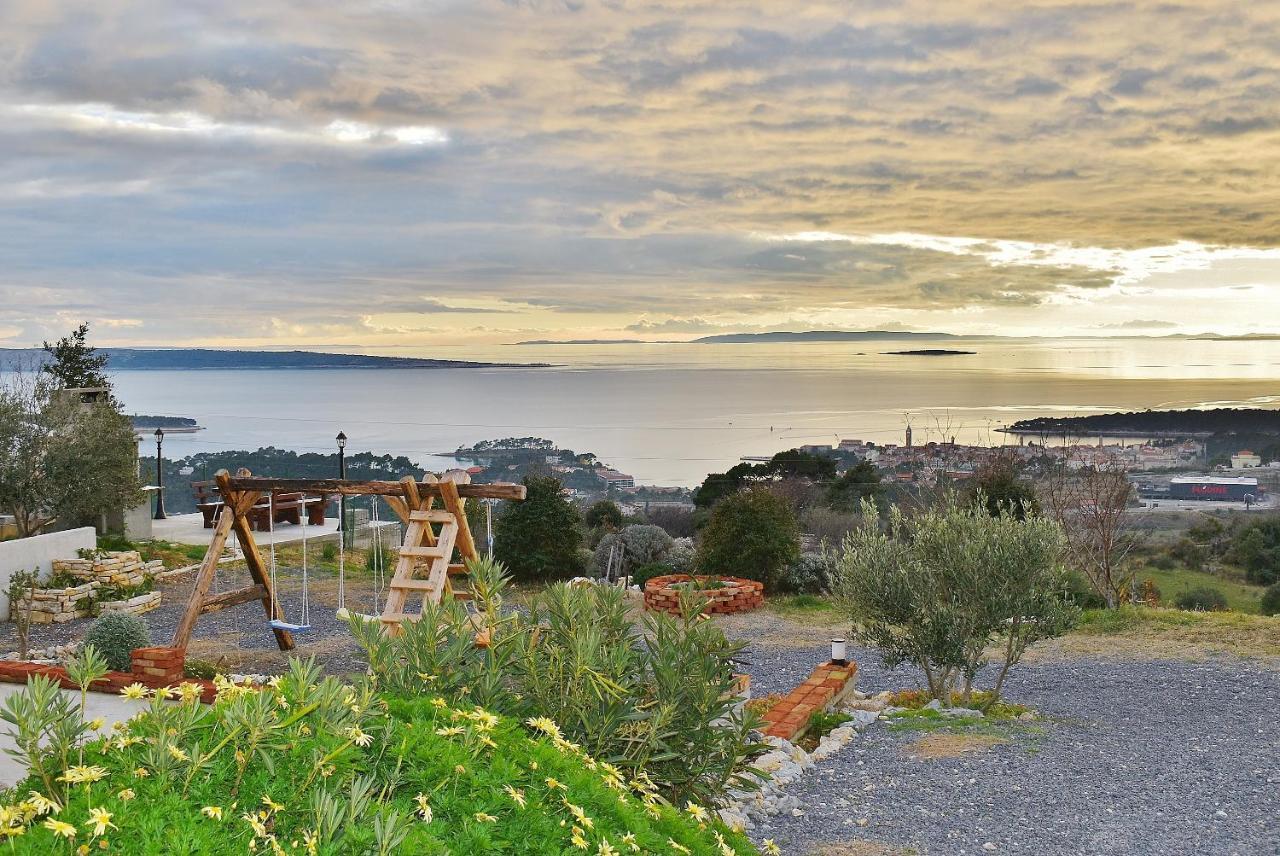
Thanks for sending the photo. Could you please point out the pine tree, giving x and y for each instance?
(76, 364)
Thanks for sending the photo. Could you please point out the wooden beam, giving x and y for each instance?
(222, 600)
(204, 578)
(259, 573)
(498, 490)
(450, 491)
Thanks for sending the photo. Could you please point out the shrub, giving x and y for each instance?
(202, 669)
(636, 545)
(1201, 599)
(538, 539)
(678, 522)
(1257, 548)
(1270, 603)
(644, 573)
(1166, 562)
(659, 703)
(329, 552)
(809, 574)
(604, 514)
(356, 772)
(751, 534)
(935, 590)
(115, 635)
(682, 556)
(1078, 590)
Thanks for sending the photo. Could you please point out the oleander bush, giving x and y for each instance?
(115, 635)
(309, 765)
(660, 702)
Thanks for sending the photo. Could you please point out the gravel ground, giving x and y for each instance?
(238, 639)
(1136, 757)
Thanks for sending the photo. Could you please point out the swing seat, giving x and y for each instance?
(279, 624)
(343, 614)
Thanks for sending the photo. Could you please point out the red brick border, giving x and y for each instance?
(152, 667)
(737, 595)
(829, 684)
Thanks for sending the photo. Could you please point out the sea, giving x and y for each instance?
(670, 413)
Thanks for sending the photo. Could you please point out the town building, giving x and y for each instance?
(1215, 488)
(1244, 460)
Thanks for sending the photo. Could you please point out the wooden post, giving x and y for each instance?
(204, 577)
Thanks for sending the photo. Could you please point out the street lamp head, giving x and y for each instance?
(159, 435)
(342, 440)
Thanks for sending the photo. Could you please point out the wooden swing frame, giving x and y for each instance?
(410, 499)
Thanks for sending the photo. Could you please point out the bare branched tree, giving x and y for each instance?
(1091, 503)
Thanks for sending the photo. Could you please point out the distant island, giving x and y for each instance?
(183, 423)
(823, 336)
(928, 352)
(152, 359)
(588, 342)
(1156, 423)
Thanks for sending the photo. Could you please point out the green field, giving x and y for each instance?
(1241, 597)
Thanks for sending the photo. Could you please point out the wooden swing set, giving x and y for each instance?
(432, 535)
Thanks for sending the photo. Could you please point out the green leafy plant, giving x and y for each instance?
(116, 634)
(538, 538)
(751, 534)
(21, 591)
(1201, 599)
(641, 574)
(196, 668)
(1270, 602)
(936, 590)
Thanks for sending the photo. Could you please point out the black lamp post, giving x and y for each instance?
(159, 515)
(342, 474)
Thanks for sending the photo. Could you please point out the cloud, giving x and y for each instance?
(1138, 324)
(604, 165)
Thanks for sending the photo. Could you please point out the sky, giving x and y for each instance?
(403, 174)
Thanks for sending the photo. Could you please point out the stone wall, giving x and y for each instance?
(38, 553)
(54, 606)
(134, 605)
(124, 569)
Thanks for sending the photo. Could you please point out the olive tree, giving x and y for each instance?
(953, 588)
(636, 545)
(62, 461)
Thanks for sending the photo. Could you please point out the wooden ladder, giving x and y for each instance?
(425, 570)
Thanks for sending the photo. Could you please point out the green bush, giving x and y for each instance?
(604, 514)
(659, 703)
(1165, 562)
(644, 573)
(809, 574)
(1270, 603)
(1078, 590)
(115, 635)
(329, 552)
(751, 534)
(203, 669)
(636, 545)
(350, 772)
(538, 538)
(1201, 599)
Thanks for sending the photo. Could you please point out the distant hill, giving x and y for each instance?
(587, 342)
(823, 336)
(1222, 420)
(146, 359)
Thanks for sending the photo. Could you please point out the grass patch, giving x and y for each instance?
(927, 721)
(801, 605)
(173, 555)
(1241, 596)
(943, 745)
(1171, 630)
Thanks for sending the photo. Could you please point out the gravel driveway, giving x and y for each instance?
(1137, 757)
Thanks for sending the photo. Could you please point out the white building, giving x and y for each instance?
(1244, 459)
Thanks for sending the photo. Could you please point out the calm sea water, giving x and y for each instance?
(668, 414)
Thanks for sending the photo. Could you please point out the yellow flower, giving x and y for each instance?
(697, 812)
(271, 804)
(481, 817)
(577, 840)
(304, 730)
(311, 842)
(630, 840)
(96, 724)
(134, 691)
(679, 848)
(770, 847)
(179, 754)
(545, 724)
(439, 702)
(81, 773)
(100, 820)
(359, 737)
(459, 769)
(424, 809)
(57, 827)
(516, 795)
(213, 812)
(606, 849)
(579, 814)
(42, 804)
(450, 731)
(190, 692)
(533, 765)
(124, 741)
(555, 784)
(126, 795)
(259, 830)
(141, 773)
(426, 678)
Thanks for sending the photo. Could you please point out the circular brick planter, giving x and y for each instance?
(737, 595)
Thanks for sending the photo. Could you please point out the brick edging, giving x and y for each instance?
(737, 595)
(154, 667)
(829, 685)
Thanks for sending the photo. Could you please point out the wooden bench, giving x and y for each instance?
(208, 501)
(288, 508)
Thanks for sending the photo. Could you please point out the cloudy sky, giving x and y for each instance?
(470, 172)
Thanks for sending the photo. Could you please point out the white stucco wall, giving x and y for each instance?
(39, 552)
